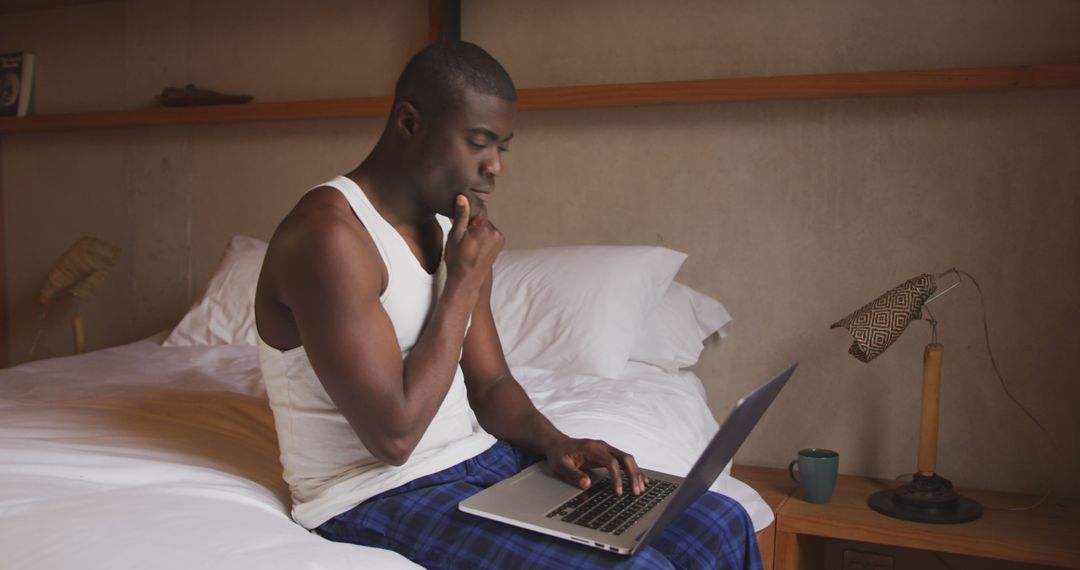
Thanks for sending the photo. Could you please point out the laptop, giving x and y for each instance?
(538, 500)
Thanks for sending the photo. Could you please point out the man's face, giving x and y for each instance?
(460, 152)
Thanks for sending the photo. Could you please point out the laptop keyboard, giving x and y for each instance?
(600, 508)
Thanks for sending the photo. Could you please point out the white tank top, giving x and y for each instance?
(328, 469)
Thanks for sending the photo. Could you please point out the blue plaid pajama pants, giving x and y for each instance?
(421, 521)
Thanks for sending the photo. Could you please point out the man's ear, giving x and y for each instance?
(406, 119)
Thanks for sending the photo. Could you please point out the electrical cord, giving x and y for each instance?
(1005, 388)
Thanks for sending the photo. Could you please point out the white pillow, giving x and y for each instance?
(225, 314)
(578, 309)
(573, 309)
(673, 332)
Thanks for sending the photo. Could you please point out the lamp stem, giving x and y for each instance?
(80, 337)
(931, 406)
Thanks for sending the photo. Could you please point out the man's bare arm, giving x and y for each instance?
(329, 281)
(504, 409)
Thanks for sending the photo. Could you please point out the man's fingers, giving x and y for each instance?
(599, 454)
(568, 463)
(633, 472)
(613, 471)
(461, 217)
(481, 216)
(569, 472)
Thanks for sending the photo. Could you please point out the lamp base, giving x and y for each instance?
(929, 499)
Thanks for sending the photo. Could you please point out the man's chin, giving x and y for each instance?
(475, 205)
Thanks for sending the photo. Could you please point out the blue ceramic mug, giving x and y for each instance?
(816, 473)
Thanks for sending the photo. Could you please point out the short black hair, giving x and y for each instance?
(435, 78)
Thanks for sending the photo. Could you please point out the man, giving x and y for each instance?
(376, 339)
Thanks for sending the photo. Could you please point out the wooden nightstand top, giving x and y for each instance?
(771, 483)
(1049, 534)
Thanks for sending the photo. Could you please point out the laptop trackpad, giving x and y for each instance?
(545, 492)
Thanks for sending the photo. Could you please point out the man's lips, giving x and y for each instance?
(482, 195)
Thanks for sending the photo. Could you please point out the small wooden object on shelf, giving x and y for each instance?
(192, 96)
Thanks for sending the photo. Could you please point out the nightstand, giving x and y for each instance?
(775, 488)
(1049, 534)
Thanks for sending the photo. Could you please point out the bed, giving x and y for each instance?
(162, 453)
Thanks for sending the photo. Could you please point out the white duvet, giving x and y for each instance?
(141, 456)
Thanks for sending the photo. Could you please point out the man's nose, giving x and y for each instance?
(492, 166)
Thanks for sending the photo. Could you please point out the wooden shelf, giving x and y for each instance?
(595, 96)
(804, 87)
(213, 114)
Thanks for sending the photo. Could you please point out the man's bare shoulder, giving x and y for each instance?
(320, 251)
(320, 236)
(321, 218)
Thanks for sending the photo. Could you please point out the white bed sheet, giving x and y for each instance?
(140, 456)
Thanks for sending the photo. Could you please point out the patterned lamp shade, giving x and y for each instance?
(878, 324)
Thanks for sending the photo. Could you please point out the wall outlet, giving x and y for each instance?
(858, 560)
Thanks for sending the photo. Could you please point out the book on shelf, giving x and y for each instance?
(16, 83)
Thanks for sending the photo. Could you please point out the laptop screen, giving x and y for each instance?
(738, 425)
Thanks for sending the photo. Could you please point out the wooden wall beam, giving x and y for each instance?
(444, 20)
(917, 82)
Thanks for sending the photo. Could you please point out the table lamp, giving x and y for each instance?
(930, 497)
(78, 272)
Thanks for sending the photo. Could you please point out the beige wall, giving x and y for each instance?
(793, 213)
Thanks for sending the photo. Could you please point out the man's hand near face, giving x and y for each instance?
(472, 246)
